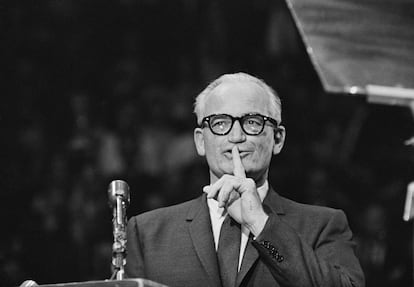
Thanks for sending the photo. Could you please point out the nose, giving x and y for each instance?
(236, 134)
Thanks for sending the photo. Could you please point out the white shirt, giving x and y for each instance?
(217, 216)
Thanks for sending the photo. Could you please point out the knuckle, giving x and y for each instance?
(226, 177)
(250, 182)
(228, 184)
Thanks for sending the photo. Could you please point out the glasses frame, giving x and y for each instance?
(240, 120)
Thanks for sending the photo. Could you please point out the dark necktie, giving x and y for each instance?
(228, 251)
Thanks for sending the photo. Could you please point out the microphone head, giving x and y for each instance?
(118, 188)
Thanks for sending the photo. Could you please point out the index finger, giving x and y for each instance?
(238, 168)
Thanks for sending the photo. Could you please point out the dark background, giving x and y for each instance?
(101, 90)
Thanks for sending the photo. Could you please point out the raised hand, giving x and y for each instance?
(238, 195)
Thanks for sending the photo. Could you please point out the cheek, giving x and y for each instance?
(264, 147)
(217, 162)
(212, 148)
(213, 151)
(264, 152)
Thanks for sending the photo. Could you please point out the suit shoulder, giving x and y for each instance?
(311, 210)
(313, 220)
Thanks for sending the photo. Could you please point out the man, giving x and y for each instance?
(279, 242)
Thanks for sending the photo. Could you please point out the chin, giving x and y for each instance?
(257, 175)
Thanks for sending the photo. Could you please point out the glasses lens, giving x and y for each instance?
(253, 124)
(220, 124)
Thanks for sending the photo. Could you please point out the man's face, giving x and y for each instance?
(238, 99)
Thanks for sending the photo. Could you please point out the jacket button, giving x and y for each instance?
(279, 258)
(266, 244)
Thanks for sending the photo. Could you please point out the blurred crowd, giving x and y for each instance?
(103, 90)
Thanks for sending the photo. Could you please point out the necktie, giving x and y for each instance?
(228, 251)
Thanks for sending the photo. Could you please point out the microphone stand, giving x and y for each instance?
(118, 193)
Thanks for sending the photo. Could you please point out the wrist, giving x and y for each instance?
(258, 225)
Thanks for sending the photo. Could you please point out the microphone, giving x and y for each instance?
(119, 198)
(118, 193)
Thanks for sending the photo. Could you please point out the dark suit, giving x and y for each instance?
(301, 245)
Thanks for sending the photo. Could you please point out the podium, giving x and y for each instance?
(134, 282)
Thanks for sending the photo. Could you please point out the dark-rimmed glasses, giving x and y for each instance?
(252, 124)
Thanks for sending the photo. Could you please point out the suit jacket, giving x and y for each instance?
(300, 245)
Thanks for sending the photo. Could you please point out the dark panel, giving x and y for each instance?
(358, 43)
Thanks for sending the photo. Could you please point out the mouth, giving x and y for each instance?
(243, 154)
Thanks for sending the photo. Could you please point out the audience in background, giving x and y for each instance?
(101, 92)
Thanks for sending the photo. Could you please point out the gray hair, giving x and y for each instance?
(201, 99)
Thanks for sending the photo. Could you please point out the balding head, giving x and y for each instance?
(275, 107)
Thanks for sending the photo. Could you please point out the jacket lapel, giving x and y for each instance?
(271, 204)
(250, 257)
(202, 238)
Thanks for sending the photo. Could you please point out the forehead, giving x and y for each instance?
(237, 98)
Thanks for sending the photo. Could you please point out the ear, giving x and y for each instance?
(279, 136)
(199, 141)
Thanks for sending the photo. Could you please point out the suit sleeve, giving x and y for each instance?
(330, 261)
(134, 261)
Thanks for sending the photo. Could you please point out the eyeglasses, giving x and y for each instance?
(252, 124)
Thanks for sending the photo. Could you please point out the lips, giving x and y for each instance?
(243, 153)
